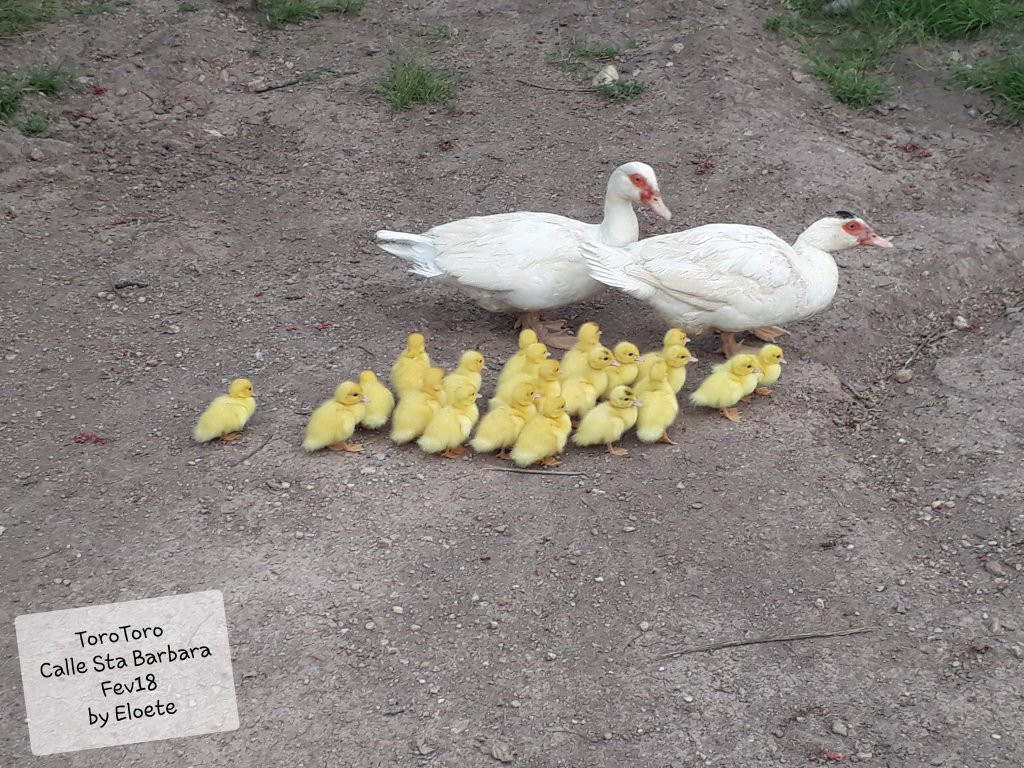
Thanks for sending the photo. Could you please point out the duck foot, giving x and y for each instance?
(615, 450)
(769, 333)
(763, 391)
(550, 461)
(553, 333)
(345, 446)
(729, 346)
(503, 455)
(732, 414)
(746, 399)
(230, 437)
(666, 439)
(454, 452)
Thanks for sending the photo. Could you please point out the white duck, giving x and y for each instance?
(527, 262)
(733, 277)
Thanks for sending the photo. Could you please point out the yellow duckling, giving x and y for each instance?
(674, 337)
(581, 391)
(727, 384)
(770, 361)
(525, 363)
(408, 371)
(676, 358)
(468, 372)
(451, 425)
(227, 415)
(575, 360)
(333, 422)
(660, 406)
(380, 401)
(539, 375)
(500, 427)
(415, 409)
(544, 435)
(527, 338)
(627, 355)
(546, 381)
(609, 421)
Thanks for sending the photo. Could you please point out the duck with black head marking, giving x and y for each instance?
(734, 277)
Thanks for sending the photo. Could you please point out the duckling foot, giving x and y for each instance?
(615, 450)
(554, 333)
(769, 333)
(763, 391)
(454, 452)
(746, 399)
(230, 437)
(666, 439)
(503, 455)
(346, 446)
(550, 461)
(731, 414)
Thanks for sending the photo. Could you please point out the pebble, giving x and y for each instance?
(688, 698)
(960, 323)
(839, 728)
(550, 656)
(515, 704)
(696, 505)
(172, 329)
(904, 375)
(2, 529)
(995, 568)
(397, 609)
(500, 528)
(369, 625)
(36, 154)
(645, 626)
(629, 528)
(607, 735)
(368, 471)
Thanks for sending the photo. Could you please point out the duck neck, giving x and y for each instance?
(818, 269)
(619, 226)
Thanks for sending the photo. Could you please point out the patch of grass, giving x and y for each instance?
(279, 13)
(602, 51)
(256, 51)
(411, 80)
(17, 16)
(187, 7)
(850, 50)
(90, 8)
(10, 102)
(1002, 78)
(621, 90)
(49, 80)
(438, 34)
(35, 124)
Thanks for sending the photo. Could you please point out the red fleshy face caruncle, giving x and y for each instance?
(864, 234)
(650, 196)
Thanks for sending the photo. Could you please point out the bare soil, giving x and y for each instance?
(847, 500)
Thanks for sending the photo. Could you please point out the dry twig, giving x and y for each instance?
(533, 471)
(688, 649)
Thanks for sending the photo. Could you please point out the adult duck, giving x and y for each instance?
(733, 277)
(525, 263)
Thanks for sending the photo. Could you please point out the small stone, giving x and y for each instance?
(383, 542)
(142, 299)
(819, 604)
(607, 74)
(839, 728)
(937, 504)
(500, 528)
(172, 329)
(904, 375)
(397, 609)
(995, 568)
(502, 751)
(2, 529)
(678, 47)
(798, 76)
(607, 735)
(696, 505)
(36, 154)
(645, 626)
(415, 627)
(370, 626)
(515, 704)
(629, 528)
(996, 736)
(688, 698)
(599, 579)
(550, 656)
(960, 323)
(368, 471)
(152, 362)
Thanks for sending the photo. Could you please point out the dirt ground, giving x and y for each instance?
(535, 610)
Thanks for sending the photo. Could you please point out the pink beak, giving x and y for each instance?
(655, 204)
(876, 240)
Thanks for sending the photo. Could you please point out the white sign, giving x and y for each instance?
(122, 673)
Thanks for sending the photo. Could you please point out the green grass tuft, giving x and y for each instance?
(187, 7)
(10, 102)
(602, 52)
(410, 80)
(35, 124)
(49, 80)
(621, 90)
(17, 16)
(279, 13)
(1002, 78)
(849, 51)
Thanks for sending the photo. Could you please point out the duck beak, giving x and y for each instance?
(639, 360)
(691, 360)
(638, 404)
(782, 361)
(758, 371)
(616, 363)
(366, 399)
(870, 238)
(655, 204)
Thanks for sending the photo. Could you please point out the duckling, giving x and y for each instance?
(544, 435)
(523, 363)
(676, 358)
(408, 370)
(415, 409)
(674, 337)
(333, 422)
(380, 403)
(727, 384)
(660, 406)
(628, 357)
(227, 415)
(470, 365)
(503, 423)
(575, 360)
(546, 381)
(541, 377)
(451, 425)
(609, 421)
(770, 361)
(581, 391)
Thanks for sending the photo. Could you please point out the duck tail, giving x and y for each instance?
(418, 250)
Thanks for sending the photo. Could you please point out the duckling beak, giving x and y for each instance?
(365, 399)
(758, 371)
(782, 361)
(537, 396)
(616, 363)
(639, 359)
(638, 404)
(691, 360)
